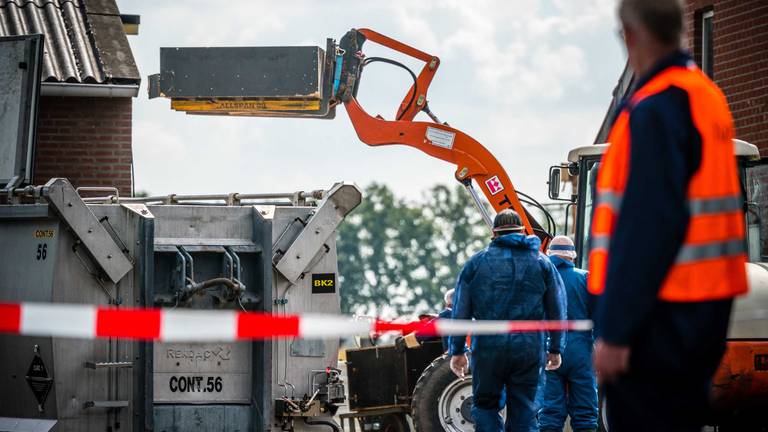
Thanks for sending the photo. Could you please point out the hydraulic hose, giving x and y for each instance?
(370, 60)
(194, 288)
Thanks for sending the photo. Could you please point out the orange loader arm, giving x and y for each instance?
(472, 160)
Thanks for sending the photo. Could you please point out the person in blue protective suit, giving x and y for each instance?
(508, 280)
(445, 313)
(571, 390)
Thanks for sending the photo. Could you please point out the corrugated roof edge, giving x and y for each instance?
(108, 35)
(88, 90)
(85, 41)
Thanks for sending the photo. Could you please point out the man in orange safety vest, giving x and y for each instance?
(667, 242)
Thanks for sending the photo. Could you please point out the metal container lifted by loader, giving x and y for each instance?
(265, 82)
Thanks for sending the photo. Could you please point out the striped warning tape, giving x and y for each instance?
(188, 325)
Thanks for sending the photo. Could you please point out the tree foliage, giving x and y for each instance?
(398, 257)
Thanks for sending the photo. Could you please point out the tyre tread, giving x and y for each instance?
(425, 421)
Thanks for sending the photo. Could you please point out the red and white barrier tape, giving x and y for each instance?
(188, 325)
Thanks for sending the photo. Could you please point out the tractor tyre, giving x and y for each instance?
(441, 401)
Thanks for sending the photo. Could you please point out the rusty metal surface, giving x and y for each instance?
(740, 386)
(81, 45)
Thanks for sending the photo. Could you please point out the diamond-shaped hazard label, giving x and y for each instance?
(39, 380)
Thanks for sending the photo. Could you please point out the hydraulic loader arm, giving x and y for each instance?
(472, 160)
(305, 82)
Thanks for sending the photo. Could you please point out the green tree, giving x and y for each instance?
(460, 227)
(398, 257)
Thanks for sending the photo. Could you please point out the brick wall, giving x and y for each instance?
(740, 61)
(87, 140)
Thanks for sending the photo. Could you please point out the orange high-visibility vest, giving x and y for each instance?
(710, 264)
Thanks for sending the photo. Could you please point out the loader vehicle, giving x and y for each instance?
(310, 82)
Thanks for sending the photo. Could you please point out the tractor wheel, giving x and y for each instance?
(441, 401)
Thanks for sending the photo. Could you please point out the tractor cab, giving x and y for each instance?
(579, 175)
(746, 357)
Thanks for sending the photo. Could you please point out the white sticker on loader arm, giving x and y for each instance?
(440, 138)
(494, 185)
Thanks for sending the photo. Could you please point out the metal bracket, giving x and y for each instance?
(103, 365)
(12, 184)
(64, 199)
(139, 209)
(233, 199)
(189, 265)
(184, 272)
(179, 280)
(232, 267)
(266, 211)
(339, 201)
(115, 197)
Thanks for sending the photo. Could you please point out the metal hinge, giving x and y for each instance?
(106, 404)
(102, 365)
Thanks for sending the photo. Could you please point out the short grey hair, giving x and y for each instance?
(448, 296)
(663, 18)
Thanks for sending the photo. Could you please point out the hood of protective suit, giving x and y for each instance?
(519, 241)
(560, 262)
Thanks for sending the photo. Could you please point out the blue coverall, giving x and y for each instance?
(572, 389)
(508, 280)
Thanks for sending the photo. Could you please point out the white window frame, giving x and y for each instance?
(706, 39)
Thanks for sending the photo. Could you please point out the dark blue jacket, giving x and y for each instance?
(510, 280)
(653, 219)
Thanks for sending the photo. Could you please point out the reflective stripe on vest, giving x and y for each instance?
(698, 206)
(687, 253)
(710, 263)
(702, 206)
(610, 199)
(691, 253)
(601, 241)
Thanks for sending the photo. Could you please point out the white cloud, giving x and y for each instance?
(517, 51)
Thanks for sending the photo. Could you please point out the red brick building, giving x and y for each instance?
(729, 40)
(89, 78)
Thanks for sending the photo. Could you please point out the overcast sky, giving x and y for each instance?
(529, 79)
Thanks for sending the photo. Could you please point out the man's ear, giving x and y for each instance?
(630, 37)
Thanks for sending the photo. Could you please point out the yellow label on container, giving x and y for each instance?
(245, 105)
(46, 233)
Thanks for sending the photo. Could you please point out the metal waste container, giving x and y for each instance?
(263, 252)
